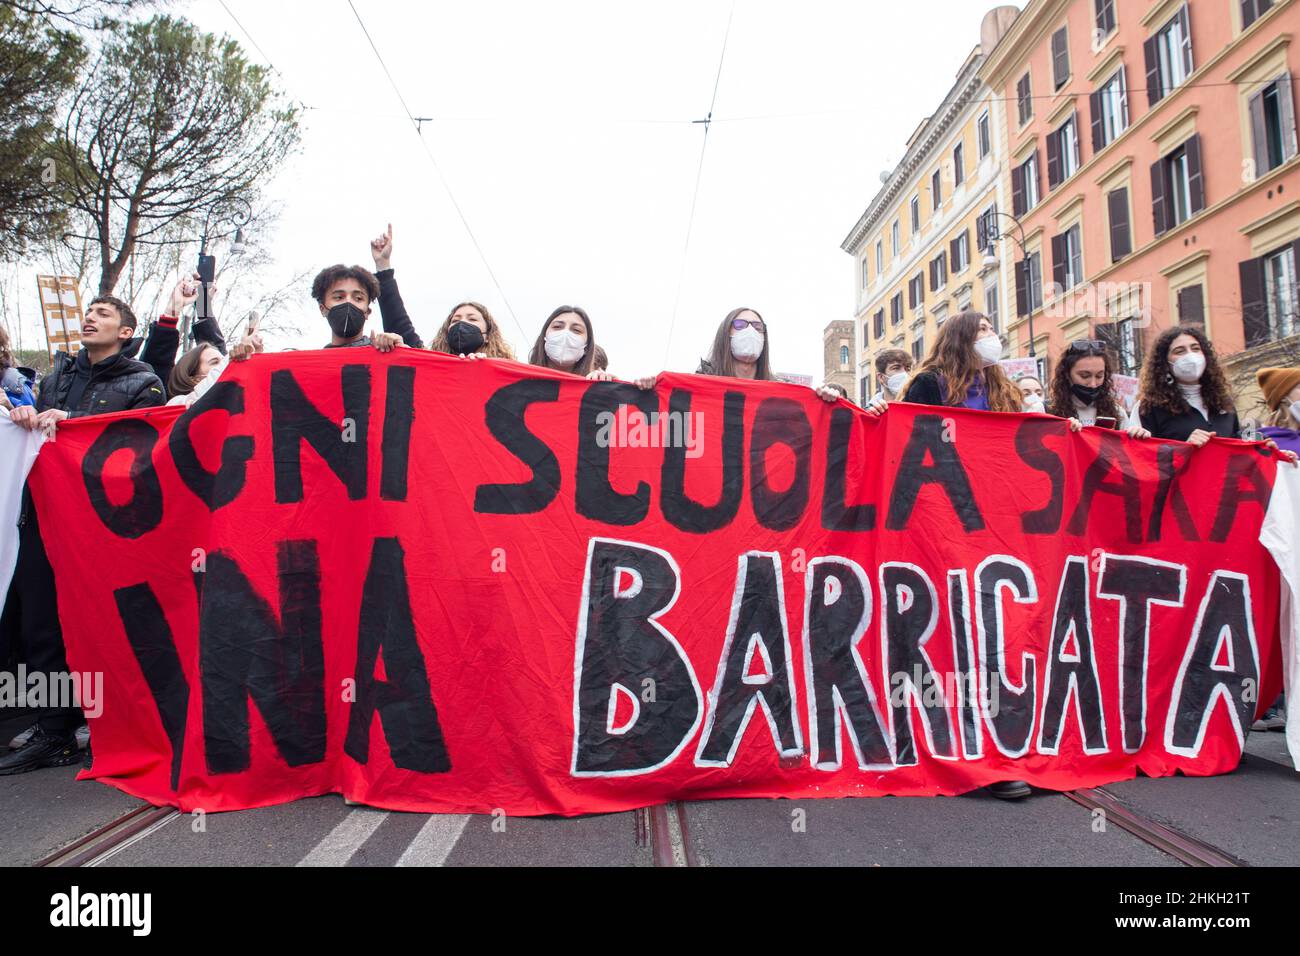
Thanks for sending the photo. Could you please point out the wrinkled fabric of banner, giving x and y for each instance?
(18, 450)
(448, 586)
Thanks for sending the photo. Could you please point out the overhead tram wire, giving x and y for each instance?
(441, 178)
(699, 172)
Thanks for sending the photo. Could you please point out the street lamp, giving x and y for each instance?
(236, 212)
(991, 261)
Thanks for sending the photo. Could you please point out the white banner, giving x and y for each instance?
(18, 448)
(1281, 535)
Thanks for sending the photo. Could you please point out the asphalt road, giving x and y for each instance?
(1252, 814)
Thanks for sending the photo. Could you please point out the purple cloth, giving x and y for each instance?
(976, 397)
(1288, 439)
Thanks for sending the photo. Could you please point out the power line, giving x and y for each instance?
(441, 178)
(699, 172)
(249, 37)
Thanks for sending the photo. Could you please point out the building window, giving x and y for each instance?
(936, 191)
(1024, 100)
(864, 272)
(898, 246)
(986, 228)
(958, 165)
(916, 214)
(918, 348)
(880, 256)
(1168, 56)
(1128, 347)
(1106, 17)
(1062, 153)
(916, 291)
(1252, 10)
(1029, 284)
(939, 272)
(1269, 296)
(959, 252)
(879, 321)
(1060, 58)
(1177, 186)
(991, 305)
(1024, 186)
(1067, 258)
(1191, 305)
(1109, 111)
(896, 309)
(983, 135)
(1280, 292)
(1272, 125)
(1121, 234)
(844, 356)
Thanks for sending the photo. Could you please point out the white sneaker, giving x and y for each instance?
(83, 737)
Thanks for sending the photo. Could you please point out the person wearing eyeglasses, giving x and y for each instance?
(1032, 397)
(1083, 390)
(1185, 394)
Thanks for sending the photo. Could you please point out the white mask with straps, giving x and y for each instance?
(747, 344)
(565, 347)
(989, 350)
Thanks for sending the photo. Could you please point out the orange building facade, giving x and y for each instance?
(1149, 157)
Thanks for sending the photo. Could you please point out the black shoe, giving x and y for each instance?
(1009, 790)
(42, 750)
(87, 758)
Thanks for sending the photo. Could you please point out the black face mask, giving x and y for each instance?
(464, 338)
(346, 320)
(1086, 394)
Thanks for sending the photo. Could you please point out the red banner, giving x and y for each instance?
(440, 585)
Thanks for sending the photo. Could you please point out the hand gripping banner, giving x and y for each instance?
(439, 585)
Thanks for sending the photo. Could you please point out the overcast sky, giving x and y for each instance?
(563, 130)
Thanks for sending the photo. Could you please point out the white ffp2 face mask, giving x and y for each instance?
(747, 344)
(896, 382)
(565, 347)
(989, 350)
(1189, 368)
(1033, 403)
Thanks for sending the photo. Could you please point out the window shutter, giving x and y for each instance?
(1018, 191)
(1258, 133)
(1022, 287)
(1121, 240)
(1158, 200)
(1154, 93)
(1038, 178)
(952, 254)
(1195, 181)
(934, 282)
(1123, 95)
(1248, 14)
(1191, 305)
(1094, 110)
(1060, 58)
(1053, 161)
(1254, 310)
(1058, 261)
(1184, 18)
(981, 231)
(1286, 111)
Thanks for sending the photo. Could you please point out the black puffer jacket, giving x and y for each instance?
(116, 384)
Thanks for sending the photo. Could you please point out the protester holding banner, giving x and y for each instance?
(164, 339)
(1185, 394)
(345, 295)
(471, 332)
(202, 365)
(893, 366)
(567, 343)
(1031, 393)
(1083, 390)
(101, 378)
(962, 369)
(1281, 388)
(740, 348)
(15, 382)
